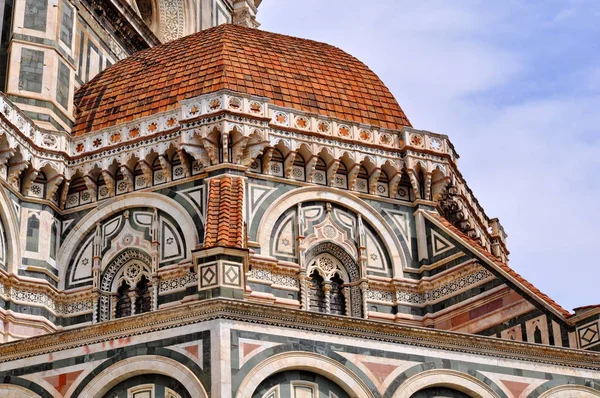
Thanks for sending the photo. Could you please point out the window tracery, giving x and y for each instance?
(327, 290)
(127, 279)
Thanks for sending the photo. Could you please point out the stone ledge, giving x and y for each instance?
(264, 314)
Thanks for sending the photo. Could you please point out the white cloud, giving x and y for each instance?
(463, 68)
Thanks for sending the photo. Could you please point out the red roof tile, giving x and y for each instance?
(224, 218)
(504, 267)
(292, 72)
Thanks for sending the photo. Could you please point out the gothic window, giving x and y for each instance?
(316, 294)
(337, 299)
(126, 286)
(143, 299)
(123, 301)
(421, 184)
(326, 290)
(537, 335)
(33, 234)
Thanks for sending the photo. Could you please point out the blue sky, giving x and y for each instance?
(516, 86)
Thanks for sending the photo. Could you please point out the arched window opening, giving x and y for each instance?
(123, 301)
(327, 288)
(337, 298)
(33, 234)
(537, 335)
(120, 183)
(383, 185)
(38, 186)
(405, 189)
(299, 168)
(177, 170)
(341, 176)
(362, 181)
(78, 193)
(139, 179)
(256, 165)
(126, 286)
(158, 173)
(422, 185)
(276, 163)
(143, 299)
(320, 176)
(102, 192)
(316, 293)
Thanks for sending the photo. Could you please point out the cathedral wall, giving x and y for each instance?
(54, 49)
(449, 291)
(234, 358)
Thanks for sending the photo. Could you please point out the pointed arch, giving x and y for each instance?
(117, 205)
(343, 198)
(9, 232)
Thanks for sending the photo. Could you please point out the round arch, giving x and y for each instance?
(298, 360)
(119, 204)
(570, 391)
(345, 199)
(13, 391)
(11, 230)
(445, 378)
(135, 366)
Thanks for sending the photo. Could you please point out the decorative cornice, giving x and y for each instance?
(241, 311)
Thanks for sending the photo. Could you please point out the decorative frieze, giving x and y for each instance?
(177, 284)
(429, 292)
(58, 305)
(277, 280)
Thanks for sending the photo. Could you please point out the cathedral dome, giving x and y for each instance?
(292, 72)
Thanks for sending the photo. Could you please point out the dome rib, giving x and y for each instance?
(294, 73)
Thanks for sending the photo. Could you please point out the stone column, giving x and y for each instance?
(327, 291)
(132, 295)
(347, 300)
(95, 314)
(364, 288)
(303, 290)
(114, 300)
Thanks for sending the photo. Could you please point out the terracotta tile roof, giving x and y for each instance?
(504, 267)
(292, 72)
(224, 212)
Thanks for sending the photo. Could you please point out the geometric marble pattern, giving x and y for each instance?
(248, 348)
(439, 244)
(381, 371)
(588, 335)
